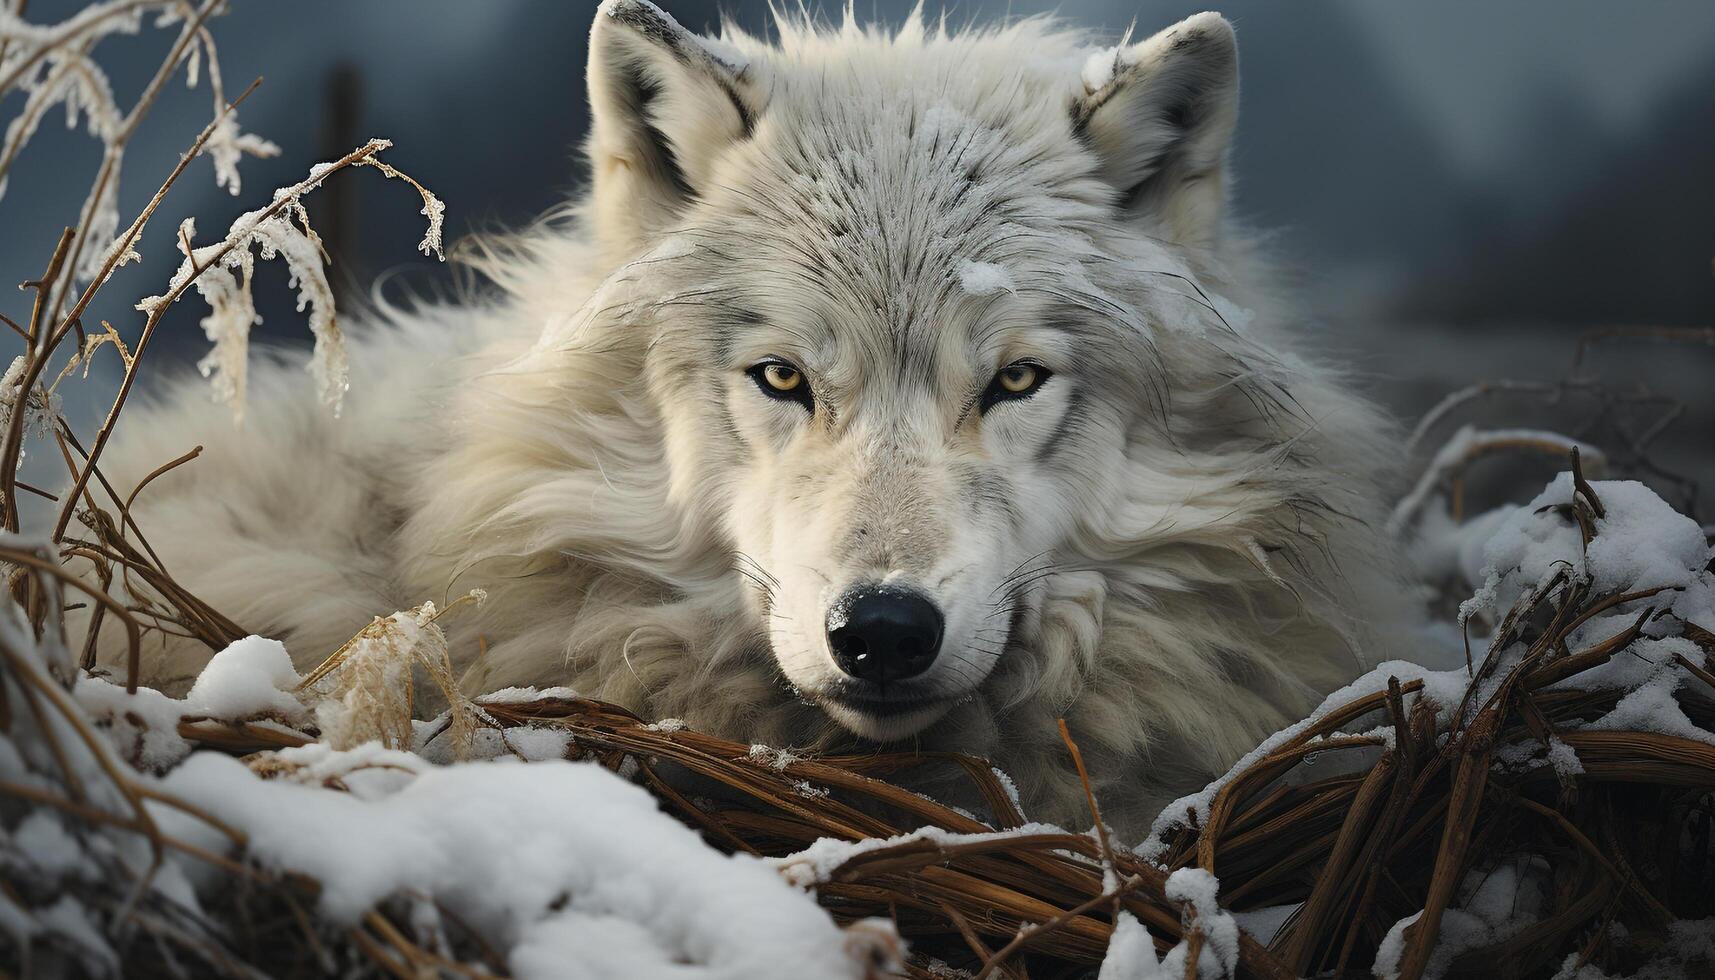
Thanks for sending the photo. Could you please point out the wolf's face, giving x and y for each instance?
(898, 484)
(893, 346)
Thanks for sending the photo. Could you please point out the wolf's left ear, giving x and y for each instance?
(1159, 116)
(663, 103)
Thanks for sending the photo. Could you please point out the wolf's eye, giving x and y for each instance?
(1020, 379)
(780, 377)
(782, 381)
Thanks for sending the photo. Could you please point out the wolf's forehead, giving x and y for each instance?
(878, 208)
(921, 165)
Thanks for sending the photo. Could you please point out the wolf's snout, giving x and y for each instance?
(884, 633)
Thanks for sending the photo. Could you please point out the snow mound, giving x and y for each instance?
(250, 678)
(576, 871)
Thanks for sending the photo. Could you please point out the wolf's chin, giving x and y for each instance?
(885, 728)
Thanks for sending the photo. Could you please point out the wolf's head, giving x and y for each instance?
(906, 295)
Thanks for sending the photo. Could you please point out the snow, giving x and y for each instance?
(368, 771)
(630, 893)
(776, 759)
(522, 695)
(69, 918)
(1011, 788)
(1641, 543)
(434, 210)
(251, 678)
(1441, 549)
(536, 744)
(566, 868)
(42, 407)
(1564, 758)
(1100, 68)
(1198, 889)
(1443, 688)
(53, 65)
(817, 863)
(52, 850)
(226, 145)
(1264, 924)
(984, 278)
(1650, 706)
(1131, 953)
(143, 727)
(1494, 906)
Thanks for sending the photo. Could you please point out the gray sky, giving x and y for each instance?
(1476, 68)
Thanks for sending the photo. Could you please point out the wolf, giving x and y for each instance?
(887, 386)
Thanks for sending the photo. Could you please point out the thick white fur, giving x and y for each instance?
(1191, 562)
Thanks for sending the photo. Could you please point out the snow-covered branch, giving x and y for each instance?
(222, 273)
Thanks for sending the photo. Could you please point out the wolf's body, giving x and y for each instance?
(1164, 543)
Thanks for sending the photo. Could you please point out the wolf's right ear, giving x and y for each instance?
(1159, 116)
(663, 103)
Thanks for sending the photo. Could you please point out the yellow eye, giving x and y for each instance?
(1018, 378)
(782, 377)
(1015, 382)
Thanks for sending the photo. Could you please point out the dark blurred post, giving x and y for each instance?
(336, 217)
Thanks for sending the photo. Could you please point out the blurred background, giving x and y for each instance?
(1461, 188)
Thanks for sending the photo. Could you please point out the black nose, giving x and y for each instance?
(884, 633)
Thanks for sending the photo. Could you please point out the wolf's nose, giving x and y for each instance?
(884, 633)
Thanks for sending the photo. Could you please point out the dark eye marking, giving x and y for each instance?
(1015, 382)
(782, 382)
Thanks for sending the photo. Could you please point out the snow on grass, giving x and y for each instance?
(1131, 953)
(1641, 543)
(1199, 890)
(42, 408)
(252, 677)
(575, 870)
(817, 863)
(222, 274)
(1495, 905)
(1442, 688)
(143, 727)
(52, 65)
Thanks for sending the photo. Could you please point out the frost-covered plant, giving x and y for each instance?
(222, 273)
(53, 66)
(371, 692)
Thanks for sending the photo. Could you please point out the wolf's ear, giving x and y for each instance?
(1159, 115)
(663, 103)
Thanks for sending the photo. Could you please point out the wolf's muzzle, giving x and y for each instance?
(882, 633)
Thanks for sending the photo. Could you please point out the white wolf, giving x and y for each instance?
(886, 386)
